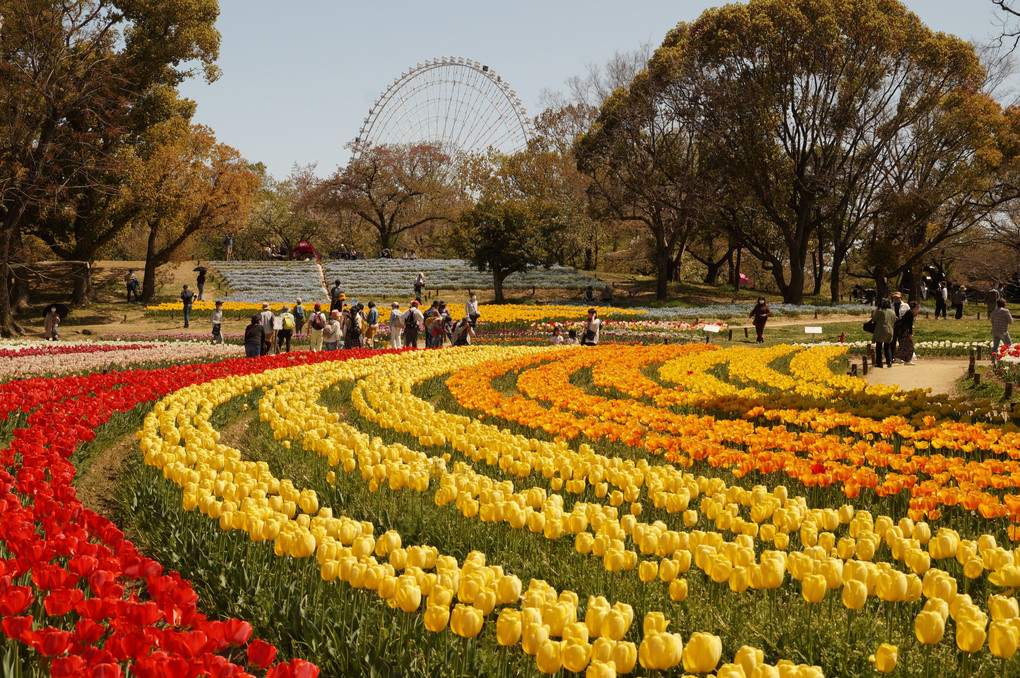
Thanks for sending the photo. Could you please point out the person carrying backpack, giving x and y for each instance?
(187, 299)
(353, 328)
(316, 324)
(286, 330)
(372, 318)
(411, 319)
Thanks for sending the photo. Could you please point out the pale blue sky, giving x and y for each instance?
(299, 77)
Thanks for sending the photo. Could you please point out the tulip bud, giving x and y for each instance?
(929, 627)
(702, 652)
(884, 659)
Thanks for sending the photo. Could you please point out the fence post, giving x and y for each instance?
(865, 365)
(1009, 391)
(973, 365)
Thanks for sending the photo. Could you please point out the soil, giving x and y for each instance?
(95, 488)
(938, 374)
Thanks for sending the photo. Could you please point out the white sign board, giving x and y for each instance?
(812, 330)
(713, 328)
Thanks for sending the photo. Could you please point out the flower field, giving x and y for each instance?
(503, 510)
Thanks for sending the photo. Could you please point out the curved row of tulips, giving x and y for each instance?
(384, 396)
(76, 597)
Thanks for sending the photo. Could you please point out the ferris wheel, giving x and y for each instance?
(459, 104)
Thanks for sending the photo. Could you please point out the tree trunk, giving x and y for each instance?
(834, 274)
(82, 294)
(498, 276)
(149, 281)
(817, 268)
(712, 271)
(662, 268)
(736, 268)
(8, 326)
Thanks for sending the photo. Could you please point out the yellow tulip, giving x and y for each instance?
(600, 670)
(654, 622)
(548, 657)
(436, 617)
(508, 627)
(929, 627)
(466, 621)
(884, 659)
(660, 651)
(532, 637)
(749, 658)
(970, 635)
(575, 655)
(615, 625)
(702, 652)
(624, 657)
(855, 594)
(678, 590)
(1002, 639)
(648, 571)
(1003, 607)
(813, 588)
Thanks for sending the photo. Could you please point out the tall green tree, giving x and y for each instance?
(72, 75)
(503, 238)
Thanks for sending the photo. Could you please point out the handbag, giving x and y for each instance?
(869, 326)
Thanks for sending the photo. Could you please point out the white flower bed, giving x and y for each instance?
(395, 277)
(83, 357)
(271, 281)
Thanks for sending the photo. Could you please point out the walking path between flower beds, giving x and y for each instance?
(938, 374)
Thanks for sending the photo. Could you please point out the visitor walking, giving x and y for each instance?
(299, 316)
(1001, 320)
(268, 330)
(941, 299)
(316, 324)
(336, 296)
(131, 281)
(372, 318)
(51, 324)
(959, 299)
(217, 323)
(332, 332)
(759, 316)
(419, 285)
(904, 331)
(592, 329)
(286, 330)
(200, 282)
(884, 321)
(992, 297)
(412, 319)
(187, 299)
(396, 325)
(471, 309)
(254, 336)
(229, 243)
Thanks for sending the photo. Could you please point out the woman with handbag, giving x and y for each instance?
(882, 322)
(592, 327)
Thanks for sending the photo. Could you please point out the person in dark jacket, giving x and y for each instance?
(759, 316)
(253, 337)
(885, 322)
(904, 331)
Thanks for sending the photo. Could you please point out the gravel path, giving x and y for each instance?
(938, 374)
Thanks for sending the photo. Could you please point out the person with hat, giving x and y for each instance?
(336, 296)
(412, 318)
(268, 331)
(316, 324)
(447, 324)
(396, 325)
(286, 330)
(333, 331)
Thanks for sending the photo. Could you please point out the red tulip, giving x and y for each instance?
(62, 601)
(143, 614)
(17, 628)
(15, 600)
(297, 668)
(87, 631)
(51, 641)
(67, 667)
(261, 653)
(107, 670)
(236, 632)
(82, 565)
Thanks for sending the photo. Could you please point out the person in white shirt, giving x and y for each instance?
(471, 309)
(571, 338)
(396, 325)
(316, 324)
(557, 337)
(266, 320)
(592, 327)
(333, 332)
(217, 323)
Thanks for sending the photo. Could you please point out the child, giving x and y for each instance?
(51, 324)
(217, 323)
(557, 337)
(571, 338)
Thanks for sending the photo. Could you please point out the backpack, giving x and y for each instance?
(318, 321)
(288, 321)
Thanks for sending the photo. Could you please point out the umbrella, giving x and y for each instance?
(200, 269)
(62, 310)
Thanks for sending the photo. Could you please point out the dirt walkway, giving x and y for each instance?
(938, 374)
(95, 489)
